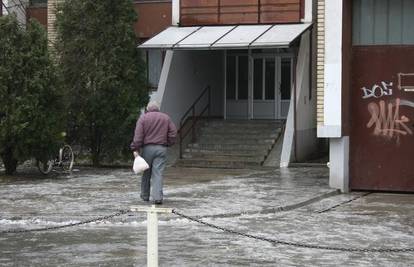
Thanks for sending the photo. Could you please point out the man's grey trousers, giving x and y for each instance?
(156, 157)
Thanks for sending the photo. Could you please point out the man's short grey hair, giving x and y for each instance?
(153, 105)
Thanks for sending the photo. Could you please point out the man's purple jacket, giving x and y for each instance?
(154, 128)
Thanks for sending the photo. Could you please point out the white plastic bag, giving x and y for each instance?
(140, 165)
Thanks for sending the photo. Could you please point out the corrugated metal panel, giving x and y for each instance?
(383, 22)
(408, 22)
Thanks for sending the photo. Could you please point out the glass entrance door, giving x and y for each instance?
(265, 84)
(258, 86)
(237, 86)
(272, 84)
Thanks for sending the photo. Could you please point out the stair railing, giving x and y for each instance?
(192, 110)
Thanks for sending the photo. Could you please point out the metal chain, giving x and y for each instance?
(345, 202)
(294, 244)
(119, 213)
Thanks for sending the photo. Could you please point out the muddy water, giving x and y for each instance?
(377, 220)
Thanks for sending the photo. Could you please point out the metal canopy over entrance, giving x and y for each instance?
(227, 37)
(257, 63)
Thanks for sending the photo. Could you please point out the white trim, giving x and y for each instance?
(326, 131)
(308, 11)
(333, 70)
(175, 13)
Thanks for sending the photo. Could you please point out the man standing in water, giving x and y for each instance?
(153, 133)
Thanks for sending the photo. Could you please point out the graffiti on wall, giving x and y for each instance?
(377, 91)
(386, 119)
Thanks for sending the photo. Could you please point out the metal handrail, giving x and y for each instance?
(195, 117)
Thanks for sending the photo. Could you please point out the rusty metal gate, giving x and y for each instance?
(382, 118)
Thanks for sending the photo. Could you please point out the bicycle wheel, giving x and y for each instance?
(45, 167)
(67, 158)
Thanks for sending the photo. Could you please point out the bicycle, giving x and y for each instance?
(64, 160)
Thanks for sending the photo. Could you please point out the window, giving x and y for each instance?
(383, 22)
(286, 80)
(270, 69)
(231, 78)
(258, 79)
(38, 2)
(243, 78)
(237, 77)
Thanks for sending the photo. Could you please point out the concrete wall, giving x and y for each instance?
(304, 138)
(332, 126)
(184, 76)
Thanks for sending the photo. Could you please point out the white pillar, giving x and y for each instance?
(308, 11)
(176, 12)
(152, 231)
(332, 126)
(339, 163)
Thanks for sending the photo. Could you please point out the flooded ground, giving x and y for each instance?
(247, 201)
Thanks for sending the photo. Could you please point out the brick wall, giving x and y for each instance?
(51, 18)
(320, 20)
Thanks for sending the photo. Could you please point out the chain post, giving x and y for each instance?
(152, 239)
(152, 231)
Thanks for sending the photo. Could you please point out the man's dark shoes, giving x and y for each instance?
(158, 202)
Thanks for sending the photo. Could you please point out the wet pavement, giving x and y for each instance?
(294, 205)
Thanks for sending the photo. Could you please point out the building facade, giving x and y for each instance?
(368, 93)
(257, 58)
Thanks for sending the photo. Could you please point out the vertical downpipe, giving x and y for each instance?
(225, 85)
(147, 63)
(209, 102)
(250, 85)
(295, 59)
(181, 142)
(193, 125)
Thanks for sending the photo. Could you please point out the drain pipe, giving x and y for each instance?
(295, 60)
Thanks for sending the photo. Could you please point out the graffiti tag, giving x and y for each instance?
(377, 91)
(387, 120)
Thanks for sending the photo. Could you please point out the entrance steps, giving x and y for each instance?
(232, 144)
